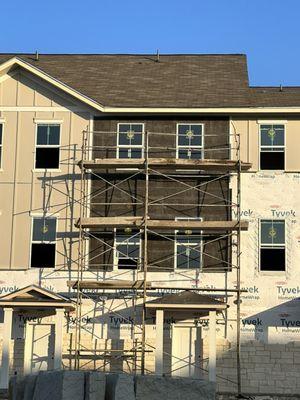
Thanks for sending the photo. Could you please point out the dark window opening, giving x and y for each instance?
(126, 263)
(272, 259)
(47, 158)
(43, 255)
(272, 160)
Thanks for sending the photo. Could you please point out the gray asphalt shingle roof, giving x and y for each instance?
(275, 96)
(141, 81)
(181, 81)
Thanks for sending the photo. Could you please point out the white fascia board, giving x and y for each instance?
(36, 304)
(203, 110)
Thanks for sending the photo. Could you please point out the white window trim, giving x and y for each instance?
(178, 147)
(140, 146)
(48, 121)
(271, 247)
(40, 215)
(266, 147)
(177, 244)
(48, 145)
(115, 255)
(272, 122)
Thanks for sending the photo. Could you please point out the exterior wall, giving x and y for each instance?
(215, 133)
(248, 128)
(183, 204)
(25, 100)
(270, 309)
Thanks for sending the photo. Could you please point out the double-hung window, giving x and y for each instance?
(272, 147)
(47, 146)
(127, 248)
(272, 245)
(1, 144)
(188, 248)
(130, 141)
(190, 141)
(43, 243)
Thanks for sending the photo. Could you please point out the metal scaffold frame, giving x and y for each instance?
(215, 169)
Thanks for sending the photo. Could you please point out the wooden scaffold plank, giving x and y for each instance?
(108, 284)
(138, 222)
(165, 163)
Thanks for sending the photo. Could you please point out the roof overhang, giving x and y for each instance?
(203, 110)
(37, 304)
(189, 307)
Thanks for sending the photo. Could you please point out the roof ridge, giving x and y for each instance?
(126, 54)
(275, 87)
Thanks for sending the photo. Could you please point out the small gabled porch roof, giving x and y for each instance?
(33, 296)
(187, 300)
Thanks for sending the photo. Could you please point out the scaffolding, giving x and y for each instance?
(173, 169)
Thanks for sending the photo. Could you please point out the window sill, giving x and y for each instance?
(272, 273)
(272, 170)
(46, 170)
(177, 270)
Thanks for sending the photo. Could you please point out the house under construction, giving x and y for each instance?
(146, 228)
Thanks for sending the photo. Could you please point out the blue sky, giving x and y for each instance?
(268, 31)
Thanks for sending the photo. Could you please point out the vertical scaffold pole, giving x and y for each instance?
(145, 254)
(238, 280)
(81, 253)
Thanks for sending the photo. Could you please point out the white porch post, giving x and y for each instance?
(159, 344)
(212, 347)
(28, 348)
(7, 329)
(59, 321)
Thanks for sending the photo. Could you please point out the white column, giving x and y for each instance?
(159, 343)
(212, 347)
(28, 348)
(7, 329)
(59, 323)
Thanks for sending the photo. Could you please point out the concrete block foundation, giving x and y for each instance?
(91, 385)
(157, 387)
(120, 387)
(59, 385)
(95, 386)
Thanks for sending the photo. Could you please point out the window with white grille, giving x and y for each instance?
(272, 245)
(272, 147)
(190, 141)
(130, 141)
(43, 242)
